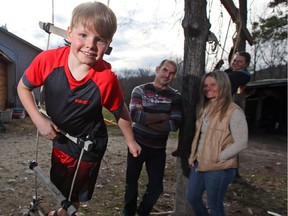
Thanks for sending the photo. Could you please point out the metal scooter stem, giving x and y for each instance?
(86, 145)
(67, 205)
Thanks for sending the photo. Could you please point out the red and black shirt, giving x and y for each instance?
(75, 106)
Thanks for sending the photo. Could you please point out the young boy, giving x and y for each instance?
(78, 83)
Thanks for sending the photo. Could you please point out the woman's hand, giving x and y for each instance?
(190, 161)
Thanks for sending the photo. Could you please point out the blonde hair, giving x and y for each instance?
(95, 15)
(224, 97)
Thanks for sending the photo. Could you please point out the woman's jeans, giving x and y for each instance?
(155, 165)
(215, 183)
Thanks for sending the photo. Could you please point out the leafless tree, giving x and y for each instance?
(196, 27)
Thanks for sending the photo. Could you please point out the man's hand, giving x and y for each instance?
(134, 149)
(219, 64)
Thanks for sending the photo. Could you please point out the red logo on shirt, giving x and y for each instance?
(80, 101)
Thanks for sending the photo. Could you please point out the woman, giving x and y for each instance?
(221, 133)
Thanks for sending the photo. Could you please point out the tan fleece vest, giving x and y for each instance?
(217, 137)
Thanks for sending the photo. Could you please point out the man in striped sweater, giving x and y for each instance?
(155, 110)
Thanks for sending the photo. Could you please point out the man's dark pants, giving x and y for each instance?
(155, 165)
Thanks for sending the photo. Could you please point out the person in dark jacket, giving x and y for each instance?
(238, 74)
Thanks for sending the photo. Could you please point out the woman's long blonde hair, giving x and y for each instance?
(224, 97)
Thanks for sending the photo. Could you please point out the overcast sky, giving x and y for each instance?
(148, 31)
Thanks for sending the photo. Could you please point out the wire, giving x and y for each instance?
(239, 23)
(226, 38)
(39, 105)
(52, 11)
(48, 41)
(210, 6)
(36, 158)
(75, 174)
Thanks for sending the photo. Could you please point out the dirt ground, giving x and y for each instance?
(263, 170)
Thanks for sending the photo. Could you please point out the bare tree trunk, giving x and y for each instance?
(181, 207)
(196, 27)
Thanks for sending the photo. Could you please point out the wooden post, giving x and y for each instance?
(234, 12)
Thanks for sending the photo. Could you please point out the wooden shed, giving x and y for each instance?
(16, 55)
(266, 105)
(4, 61)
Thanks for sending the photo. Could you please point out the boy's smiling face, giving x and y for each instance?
(86, 45)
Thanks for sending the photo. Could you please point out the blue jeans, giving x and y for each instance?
(215, 183)
(155, 165)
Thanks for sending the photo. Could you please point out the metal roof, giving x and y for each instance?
(5, 57)
(20, 39)
(267, 83)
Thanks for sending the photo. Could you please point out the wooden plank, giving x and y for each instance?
(233, 12)
(3, 96)
(3, 85)
(50, 28)
(3, 69)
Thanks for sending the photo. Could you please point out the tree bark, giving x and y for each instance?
(196, 27)
(182, 208)
(243, 12)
